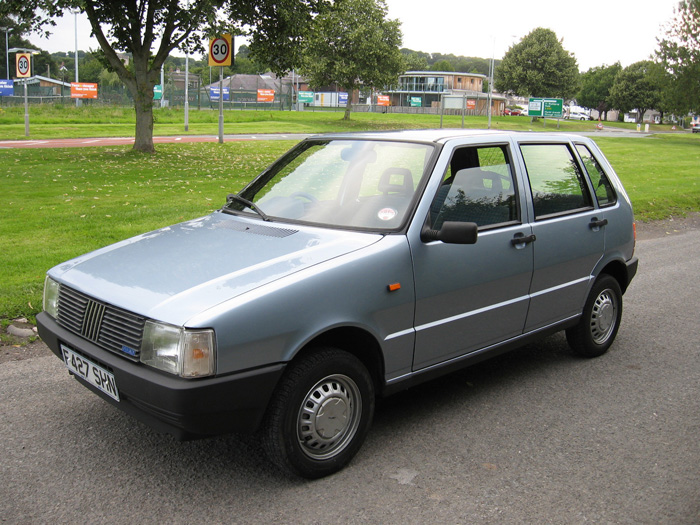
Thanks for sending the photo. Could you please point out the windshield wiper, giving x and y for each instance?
(235, 197)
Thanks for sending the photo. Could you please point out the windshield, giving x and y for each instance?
(358, 184)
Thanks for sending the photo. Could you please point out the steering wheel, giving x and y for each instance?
(304, 195)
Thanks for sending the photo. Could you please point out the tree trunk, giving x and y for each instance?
(143, 104)
(348, 108)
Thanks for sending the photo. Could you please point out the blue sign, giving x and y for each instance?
(7, 88)
(214, 93)
(342, 99)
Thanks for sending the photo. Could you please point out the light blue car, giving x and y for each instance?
(355, 266)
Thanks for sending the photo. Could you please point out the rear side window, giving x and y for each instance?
(601, 184)
(477, 187)
(555, 179)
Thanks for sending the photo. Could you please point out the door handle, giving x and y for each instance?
(522, 239)
(597, 223)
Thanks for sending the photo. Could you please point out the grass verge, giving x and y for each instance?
(56, 204)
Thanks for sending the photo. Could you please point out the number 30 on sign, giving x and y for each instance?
(220, 50)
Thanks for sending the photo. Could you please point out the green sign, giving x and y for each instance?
(157, 92)
(416, 102)
(546, 107)
(305, 96)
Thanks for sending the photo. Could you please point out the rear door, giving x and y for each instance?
(570, 236)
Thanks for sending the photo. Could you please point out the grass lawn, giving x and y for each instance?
(58, 203)
(56, 121)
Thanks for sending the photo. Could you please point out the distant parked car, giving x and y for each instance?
(577, 115)
(512, 111)
(695, 127)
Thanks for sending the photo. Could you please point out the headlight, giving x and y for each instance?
(51, 289)
(187, 353)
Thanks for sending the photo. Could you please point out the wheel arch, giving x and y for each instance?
(355, 341)
(618, 270)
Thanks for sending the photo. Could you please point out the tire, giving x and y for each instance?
(600, 320)
(320, 414)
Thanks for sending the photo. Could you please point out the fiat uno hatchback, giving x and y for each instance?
(353, 267)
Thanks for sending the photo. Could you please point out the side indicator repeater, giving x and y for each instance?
(393, 287)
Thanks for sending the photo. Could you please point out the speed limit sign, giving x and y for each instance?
(220, 51)
(23, 61)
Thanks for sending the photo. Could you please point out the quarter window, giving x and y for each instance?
(555, 179)
(601, 184)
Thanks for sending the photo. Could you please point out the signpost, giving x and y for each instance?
(220, 48)
(546, 107)
(23, 62)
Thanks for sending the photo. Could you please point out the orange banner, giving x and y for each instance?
(471, 104)
(83, 90)
(383, 100)
(266, 95)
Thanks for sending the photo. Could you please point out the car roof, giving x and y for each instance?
(441, 136)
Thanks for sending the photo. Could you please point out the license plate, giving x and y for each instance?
(90, 372)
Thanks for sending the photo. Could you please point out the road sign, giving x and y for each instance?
(415, 102)
(220, 51)
(546, 107)
(23, 62)
(157, 92)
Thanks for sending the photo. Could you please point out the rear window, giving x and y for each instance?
(556, 180)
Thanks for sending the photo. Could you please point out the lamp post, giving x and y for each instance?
(77, 100)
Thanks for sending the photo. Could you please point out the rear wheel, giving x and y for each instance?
(320, 414)
(600, 320)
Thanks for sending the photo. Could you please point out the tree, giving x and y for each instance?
(595, 88)
(354, 45)
(538, 66)
(137, 26)
(414, 61)
(637, 87)
(442, 65)
(679, 53)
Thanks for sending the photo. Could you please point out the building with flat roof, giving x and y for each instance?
(428, 88)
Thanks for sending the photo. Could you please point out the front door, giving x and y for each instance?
(472, 296)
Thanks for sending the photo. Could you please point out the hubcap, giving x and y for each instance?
(603, 317)
(329, 417)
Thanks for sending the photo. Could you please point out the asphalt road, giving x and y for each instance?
(536, 436)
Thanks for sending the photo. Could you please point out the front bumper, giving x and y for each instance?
(185, 408)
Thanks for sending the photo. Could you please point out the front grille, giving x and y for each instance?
(112, 328)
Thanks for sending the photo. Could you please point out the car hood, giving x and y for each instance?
(176, 272)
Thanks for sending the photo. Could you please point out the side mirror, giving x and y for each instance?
(452, 233)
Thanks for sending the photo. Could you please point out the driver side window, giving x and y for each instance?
(477, 187)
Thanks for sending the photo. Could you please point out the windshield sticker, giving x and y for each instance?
(386, 214)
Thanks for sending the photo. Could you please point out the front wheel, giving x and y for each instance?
(320, 414)
(600, 321)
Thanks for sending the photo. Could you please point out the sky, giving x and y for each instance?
(597, 32)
